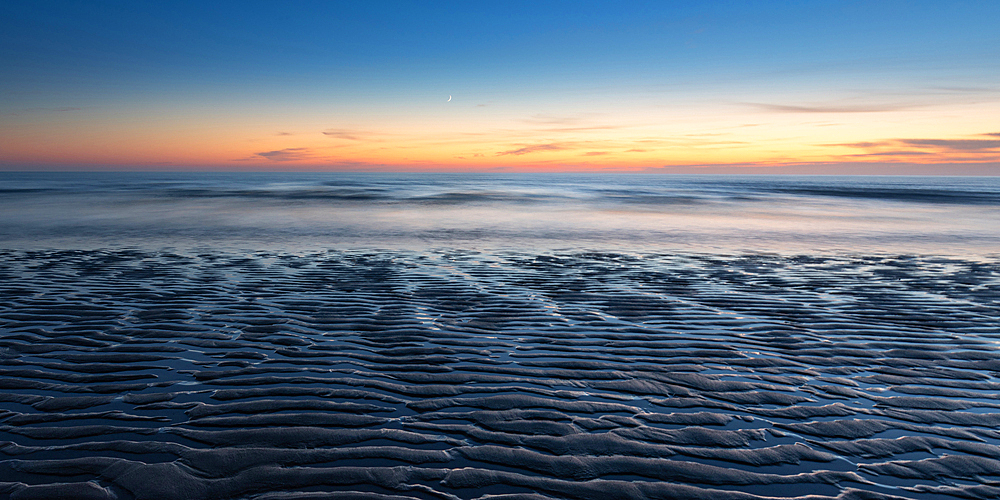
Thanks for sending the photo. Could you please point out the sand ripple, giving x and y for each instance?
(390, 376)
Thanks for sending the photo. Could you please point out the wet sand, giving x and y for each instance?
(395, 375)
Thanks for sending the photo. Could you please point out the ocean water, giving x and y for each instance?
(300, 211)
(418, 337)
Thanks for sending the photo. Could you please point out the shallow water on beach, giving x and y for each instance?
(552, 337)
(782, 214)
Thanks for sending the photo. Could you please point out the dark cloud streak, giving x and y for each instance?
(287, 154)
(895, 153)
(954, 144)
(935, 145)
(861, 144)
(350, 135)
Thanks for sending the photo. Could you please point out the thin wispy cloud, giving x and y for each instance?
(551, 123)
(23, 111)
(551, 120)
(856, 108)
(580, 129)
(533, 149)
(967, 90)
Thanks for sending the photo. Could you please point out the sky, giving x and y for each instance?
(828, 87)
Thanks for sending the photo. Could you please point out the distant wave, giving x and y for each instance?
(526, 189)
(288, 194)
(915, 195)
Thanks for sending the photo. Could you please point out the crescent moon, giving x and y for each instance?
(449, 99)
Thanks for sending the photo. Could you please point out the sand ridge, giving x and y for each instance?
(458, 374)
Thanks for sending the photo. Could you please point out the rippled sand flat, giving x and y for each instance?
(132, 374)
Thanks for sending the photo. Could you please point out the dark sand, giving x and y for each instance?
(127, 374)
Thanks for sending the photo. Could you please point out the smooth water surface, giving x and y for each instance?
(537, 212)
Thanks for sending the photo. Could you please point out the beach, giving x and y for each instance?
(307, 337)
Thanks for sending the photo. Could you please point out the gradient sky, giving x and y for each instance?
(796, 86)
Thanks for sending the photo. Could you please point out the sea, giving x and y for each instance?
(389, 336)
(490, 212)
